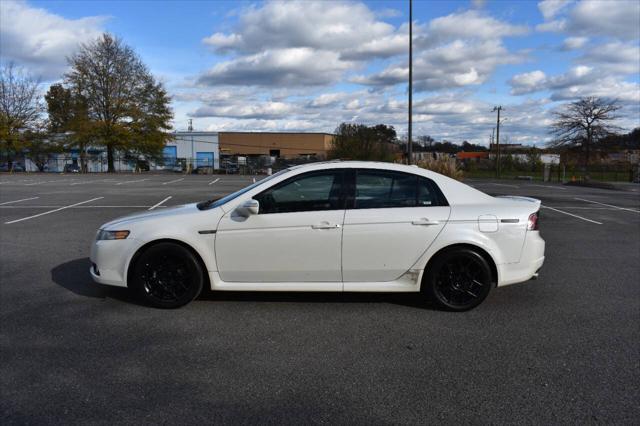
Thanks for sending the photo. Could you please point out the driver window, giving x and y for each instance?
(308, 192)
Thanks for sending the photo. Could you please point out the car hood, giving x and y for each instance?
(135, 218)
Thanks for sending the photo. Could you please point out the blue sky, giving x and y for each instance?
(288, 66)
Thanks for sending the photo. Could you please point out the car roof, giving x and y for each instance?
(455, 191)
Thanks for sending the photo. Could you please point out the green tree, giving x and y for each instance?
(127, 109)
(359, 142)
(20, 110)
(69, 124)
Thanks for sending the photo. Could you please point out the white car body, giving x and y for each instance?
(372, 250)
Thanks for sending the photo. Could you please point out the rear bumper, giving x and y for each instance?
(531, 261)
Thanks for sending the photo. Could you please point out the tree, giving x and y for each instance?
(359, 142)
(20, 110)
(128, 110)
(69, 122)
(583, 123)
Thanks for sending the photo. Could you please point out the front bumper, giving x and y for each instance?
(530, 262)
(110, 261)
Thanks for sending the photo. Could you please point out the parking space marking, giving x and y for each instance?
(76, 207)
(160, 203)
(131, 181)
(502, 184)
(549, 186)
(52, 211)
(608, 205)
(571, 214)
(213, 181)
(254, 180)
(173, 181)
(17, 201)
(35, 183)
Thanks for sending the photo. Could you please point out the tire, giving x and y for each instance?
(166, 275)
(458, 279)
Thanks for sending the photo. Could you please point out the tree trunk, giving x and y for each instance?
(586, 155)
(110, 166)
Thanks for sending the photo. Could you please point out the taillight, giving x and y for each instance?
(532, 223)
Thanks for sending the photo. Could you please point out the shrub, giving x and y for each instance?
(444, 166)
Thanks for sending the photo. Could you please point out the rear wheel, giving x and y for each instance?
(167, 275)
(458, 279)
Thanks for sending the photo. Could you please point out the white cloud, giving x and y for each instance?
(41, 41)
(573, 43)
(614, 18)
(550, 8)
(279, 67)
(614, 57)
(456, 64)
(301, 43)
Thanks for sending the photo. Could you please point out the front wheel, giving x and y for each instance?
(458, 279)
(166, 275)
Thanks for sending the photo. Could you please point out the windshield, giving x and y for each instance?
(217, 202)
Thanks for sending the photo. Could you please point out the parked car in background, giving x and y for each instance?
(334, 226)
(72, 168)
(14, 167)
(142, 165)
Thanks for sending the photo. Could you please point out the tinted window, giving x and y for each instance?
(377, 189)
(308, 192)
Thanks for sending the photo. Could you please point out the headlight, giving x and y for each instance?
(111, 235)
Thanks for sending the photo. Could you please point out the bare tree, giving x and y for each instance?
(20, 109)
(583, 123)
(128, 110)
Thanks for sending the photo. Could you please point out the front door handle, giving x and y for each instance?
(325, 225)
(425, 222)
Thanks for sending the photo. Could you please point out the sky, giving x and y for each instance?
(310, 65)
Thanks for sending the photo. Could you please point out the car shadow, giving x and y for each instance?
(74, 276)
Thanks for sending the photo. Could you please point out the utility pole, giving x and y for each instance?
(498, 108)
(190, 129)
(409, 144)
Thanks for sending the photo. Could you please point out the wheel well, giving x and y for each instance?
(137, 254)
(480, 250)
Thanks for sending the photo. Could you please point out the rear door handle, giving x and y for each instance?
(325, 225)
(425, 222)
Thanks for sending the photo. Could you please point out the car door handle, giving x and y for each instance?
(325, 225)
(425, 222)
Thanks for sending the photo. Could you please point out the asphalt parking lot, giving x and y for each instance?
(562, 349)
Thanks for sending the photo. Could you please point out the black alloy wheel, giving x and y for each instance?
(167, 275)
(459, 279)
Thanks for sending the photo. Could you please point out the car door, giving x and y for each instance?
(295, 237)
(390, 221)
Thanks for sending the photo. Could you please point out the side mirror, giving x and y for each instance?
(249, 207)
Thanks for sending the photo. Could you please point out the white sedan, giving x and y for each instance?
(333, 226)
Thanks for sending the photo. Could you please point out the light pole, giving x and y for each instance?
(498, 108)
(409, 144)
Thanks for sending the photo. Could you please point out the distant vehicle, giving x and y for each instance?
(15, 167)
(72, 168)
(177, 168)
(232, 169)
(336, 226)
(142, 165)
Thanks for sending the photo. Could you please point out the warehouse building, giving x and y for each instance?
(201, 149)
(284, 145)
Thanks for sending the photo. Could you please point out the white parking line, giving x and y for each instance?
(35, 183)
(160, 203)
(549, 186)
(17, 201)
(214, 181)
(608, 205)
(571, 214)
(504, 184)
(254, 180)
(95, 206)
(131, 181)
(172, 181)
(52, 211)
